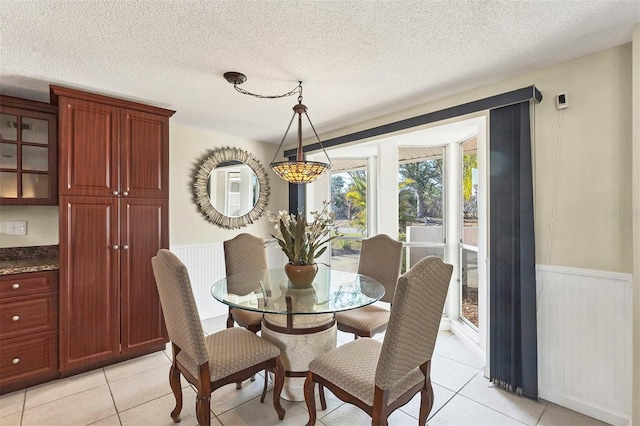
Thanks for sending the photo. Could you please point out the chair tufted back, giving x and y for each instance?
(179, 306)
(244, 253)
(415, 319)
(381, 259)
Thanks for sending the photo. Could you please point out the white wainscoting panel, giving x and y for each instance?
(585, 341)
(206, 266)
(205, 263)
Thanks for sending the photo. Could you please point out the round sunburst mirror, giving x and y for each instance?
(230, 188)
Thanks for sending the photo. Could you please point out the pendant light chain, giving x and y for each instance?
(296, 90)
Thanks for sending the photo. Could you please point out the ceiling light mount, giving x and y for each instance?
(296, 171)
(234, 77)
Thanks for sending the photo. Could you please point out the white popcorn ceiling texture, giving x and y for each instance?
(357, 59)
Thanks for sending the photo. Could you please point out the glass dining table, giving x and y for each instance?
(301, 321)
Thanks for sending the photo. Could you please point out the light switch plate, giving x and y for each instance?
(17, 227)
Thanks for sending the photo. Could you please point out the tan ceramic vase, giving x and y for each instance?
(301, 276)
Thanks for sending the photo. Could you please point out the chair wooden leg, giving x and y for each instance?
(203, 410)
(278, 372)
(310, 398)
(378, 421)
(323, 401)
(426, 403)
(379, 417)
(174, 382)
(379, 410)
(238, 385)
(266, 383)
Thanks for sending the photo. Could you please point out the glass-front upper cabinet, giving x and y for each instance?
(28, 152)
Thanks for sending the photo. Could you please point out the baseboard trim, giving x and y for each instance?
(468, 337)
(587, 408)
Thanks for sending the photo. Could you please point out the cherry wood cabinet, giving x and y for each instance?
(113, 209)
(108, 150)
(28, 329)
(28, 152)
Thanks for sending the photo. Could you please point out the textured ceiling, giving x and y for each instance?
(357, 59)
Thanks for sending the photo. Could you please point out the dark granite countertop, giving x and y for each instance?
(19, 260)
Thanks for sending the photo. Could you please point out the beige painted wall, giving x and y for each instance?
(592, 224)
(42, 225)
(187, 226)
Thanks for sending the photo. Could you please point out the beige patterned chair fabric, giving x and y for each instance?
(245, 253)
(179, 306)
(393, 365)
(367, 319)
(231, 350)
(415, 319)
(381, 259)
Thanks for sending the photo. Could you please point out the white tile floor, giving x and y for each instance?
(137, 392)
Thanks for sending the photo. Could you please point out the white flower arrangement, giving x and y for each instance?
(304, 242)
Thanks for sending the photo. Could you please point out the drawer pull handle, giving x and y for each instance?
(125, 193)
(115, 247)
(15, 286)
(115, 192)
(125, 247)
(16, 360)
(16, 317)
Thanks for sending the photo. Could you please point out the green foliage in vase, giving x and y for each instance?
(304, 242)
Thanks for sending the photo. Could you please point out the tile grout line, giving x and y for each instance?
(52, 383)
(455, 393)
(24, 405)
(115, 407)
(493, 409)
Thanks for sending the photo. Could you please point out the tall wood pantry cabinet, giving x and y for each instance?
(113, 209)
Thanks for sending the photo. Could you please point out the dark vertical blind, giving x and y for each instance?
(512, 294)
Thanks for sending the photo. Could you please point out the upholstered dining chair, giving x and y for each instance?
(381, 259)
(213, 361)
(244, 253)
(381, 377)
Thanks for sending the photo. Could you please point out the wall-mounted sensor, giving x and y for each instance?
(562, 101)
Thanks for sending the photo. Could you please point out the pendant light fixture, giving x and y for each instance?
(296, 171)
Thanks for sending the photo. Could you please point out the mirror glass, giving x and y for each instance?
(230, 187)
(233, 188)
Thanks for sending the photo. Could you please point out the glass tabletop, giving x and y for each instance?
(269, 291)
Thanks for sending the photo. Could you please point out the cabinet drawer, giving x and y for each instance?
(31, 356)
(30, 315)
(29, 283)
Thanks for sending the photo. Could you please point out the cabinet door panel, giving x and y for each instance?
(144, 231)
(145, 155)
(88, 147)
(89, 271)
